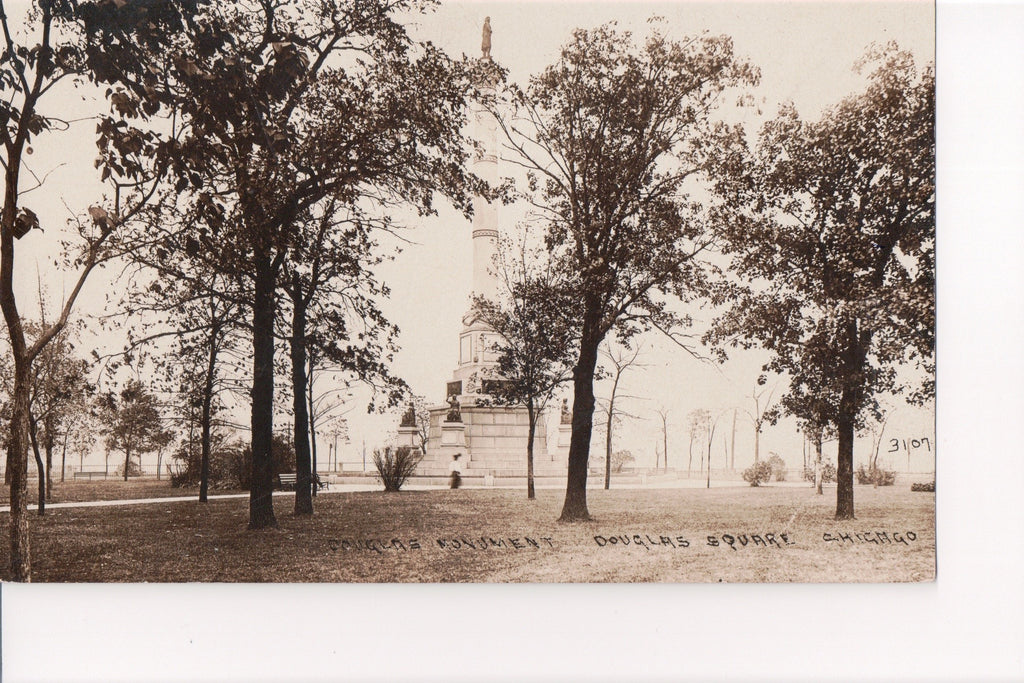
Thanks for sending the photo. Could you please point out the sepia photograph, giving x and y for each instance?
(414, 292)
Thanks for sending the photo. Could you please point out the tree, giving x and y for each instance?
(334, 319)
(835, 222)
(536, 335)
(288, 106)
(622, 360)
(203, 327)
(663, 414)
(132, 423)
(697, 421)
(763, 412)
(59, 41)
(422, 411)
(620, 459)
(613, 136)
(60, 390)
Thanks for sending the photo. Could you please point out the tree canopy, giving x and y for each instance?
(832, 239)
(615, 137)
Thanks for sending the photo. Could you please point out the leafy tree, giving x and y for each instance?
(614, 137)
(295, 103)
(835, 223)
(536, 337)
(335, 319)
(67, 41)
(60, 390)
(132, 423)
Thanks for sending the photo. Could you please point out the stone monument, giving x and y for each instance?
(492, 438)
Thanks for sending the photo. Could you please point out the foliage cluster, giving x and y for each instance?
(828, 473)
(230, 463)
(875, 476)
(396, 465)
(758, 473)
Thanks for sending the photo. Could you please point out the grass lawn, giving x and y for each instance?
(77, 491)
(493, 535)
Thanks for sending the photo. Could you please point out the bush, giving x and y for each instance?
(134, 469)
(928, 488)
(778, 467)
(875, 476)
(828, 473)
(757, 473)
(395, 465)
(230, 464)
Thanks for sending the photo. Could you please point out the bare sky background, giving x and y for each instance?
(805, 50)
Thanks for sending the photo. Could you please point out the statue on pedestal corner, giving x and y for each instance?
(409, 417)
(454, 414)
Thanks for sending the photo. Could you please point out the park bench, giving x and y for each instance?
(288, 481)
(89, 475)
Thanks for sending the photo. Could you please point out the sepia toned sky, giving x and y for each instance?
(805, 51)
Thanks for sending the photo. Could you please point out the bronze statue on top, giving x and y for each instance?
(485, 44)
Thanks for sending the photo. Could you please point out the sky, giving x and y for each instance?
(805, 51)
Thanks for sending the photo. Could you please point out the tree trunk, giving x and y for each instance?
(206, 417)
(312, 422)
(757, 442)
(732, 443)
(818, 467)
(40, 469)
(17, 467)
(608, 443)
(849, 405)
(575, 506)
(127, 460)
(48, 446)
(531, 493)
(689, 463)
(261, 504)
(664, 436)
(63, 455)
(303, 476)
(844, 466)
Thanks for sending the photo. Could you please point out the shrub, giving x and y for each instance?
(395, 465)
(928, 488)
(875, 476)
(828, 473)
(134, 469)
(230, 463)
(757, 473)
(778, 467)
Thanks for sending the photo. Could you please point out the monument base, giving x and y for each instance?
(493, 442)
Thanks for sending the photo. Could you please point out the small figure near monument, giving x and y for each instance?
(454, 414)
(455, 468)
(485, 45)
(566, 413)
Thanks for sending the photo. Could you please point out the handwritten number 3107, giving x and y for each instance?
(914, 443)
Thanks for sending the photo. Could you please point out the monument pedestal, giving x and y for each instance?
(564, 439)
(409, 436)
